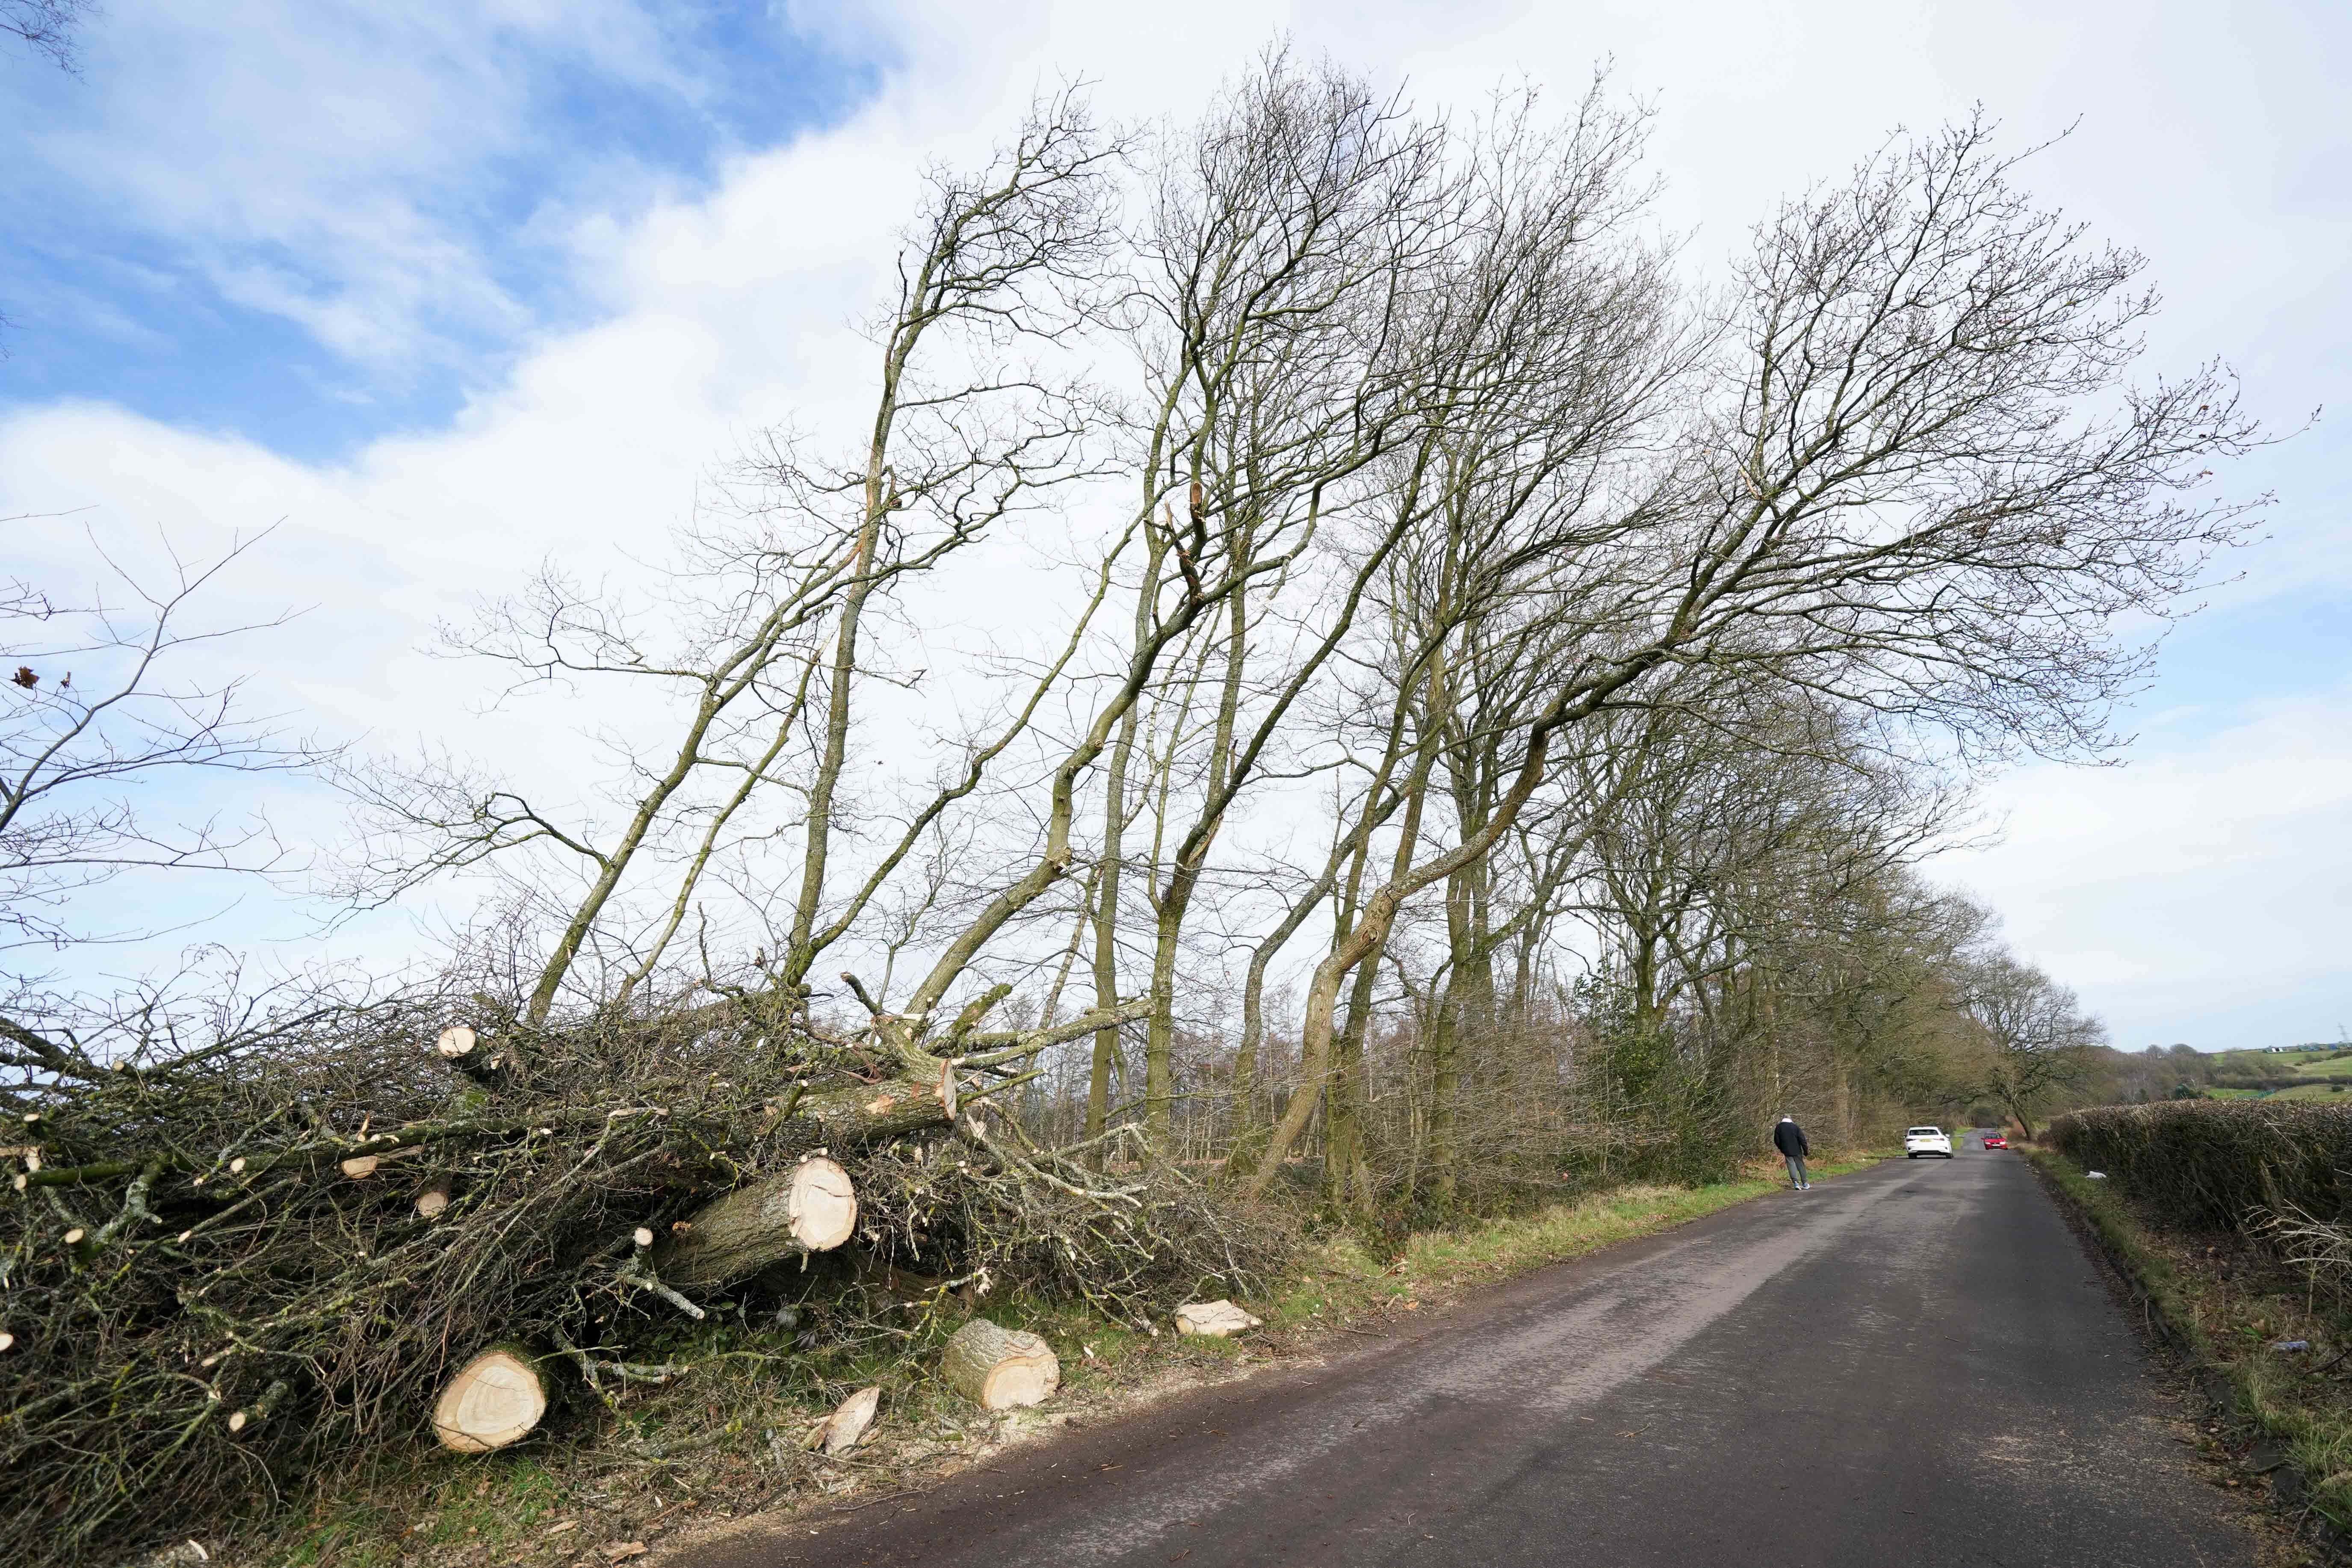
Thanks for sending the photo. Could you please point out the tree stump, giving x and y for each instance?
(813, 1207)
(492, 1401)
(998, 1368)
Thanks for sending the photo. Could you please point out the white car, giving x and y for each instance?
(1919, 1141)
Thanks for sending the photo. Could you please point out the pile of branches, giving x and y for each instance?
(222, 1263)
(2221, 1164)
(1103, 1222)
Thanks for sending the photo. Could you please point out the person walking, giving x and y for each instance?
(1790, 1139)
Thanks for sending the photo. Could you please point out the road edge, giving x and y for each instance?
(2111, 1237)
(1311, 1346)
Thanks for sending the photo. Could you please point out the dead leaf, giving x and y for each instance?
(621, 1549)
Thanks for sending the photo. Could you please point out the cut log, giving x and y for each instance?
(813, 1207)
(493, 1400)
(855, 1114)
(432, 1198)
(999, 1368)
(359, 1167)
(839, 1432)
(1216, 1319)
(259, 1410)
(466, 1050)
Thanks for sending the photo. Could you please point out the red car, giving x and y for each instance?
(1995, 1140)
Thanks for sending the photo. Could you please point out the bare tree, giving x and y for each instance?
(49, 27)
(105, 700)
(959, 440)
(2038, 1038)
(1921, 484)
(1282, 247)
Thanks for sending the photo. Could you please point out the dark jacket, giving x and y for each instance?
(1790, 1139)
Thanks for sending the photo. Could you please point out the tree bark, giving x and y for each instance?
(813, 1207)
(998, 1368)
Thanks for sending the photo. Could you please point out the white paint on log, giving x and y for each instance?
(998, 1368)
(1216, 1319)
(839, 1432)
(456, 1042)
(492, 1401)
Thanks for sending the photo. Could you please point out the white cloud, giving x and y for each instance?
(2198, 869)
(333, 163)
(2203, 891)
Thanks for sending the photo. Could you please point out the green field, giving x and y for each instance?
(2332, 1056)
(2337, 1067)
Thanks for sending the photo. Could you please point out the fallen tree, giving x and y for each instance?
(362, 1224)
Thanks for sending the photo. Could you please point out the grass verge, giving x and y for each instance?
(2224, 1300)
(725, 1442)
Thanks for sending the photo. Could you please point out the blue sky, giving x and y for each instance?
(311, 225)
(451, 288)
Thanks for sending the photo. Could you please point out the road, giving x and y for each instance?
(1914, 1363)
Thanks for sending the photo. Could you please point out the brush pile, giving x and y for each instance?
(223, 1262)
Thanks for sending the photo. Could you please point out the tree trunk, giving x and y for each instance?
(813, 1207)
(497, 1398)
(1346, 1172)
(998, 1368)
(1249, 1133)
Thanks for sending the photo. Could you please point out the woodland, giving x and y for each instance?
(1336, 678)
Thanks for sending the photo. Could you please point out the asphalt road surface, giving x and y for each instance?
(1917, 1364)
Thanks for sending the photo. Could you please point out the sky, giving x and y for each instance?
(441, 291)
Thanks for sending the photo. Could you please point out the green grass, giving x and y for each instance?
(2336, 1067)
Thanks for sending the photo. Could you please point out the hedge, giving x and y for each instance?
(2213, 1164)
